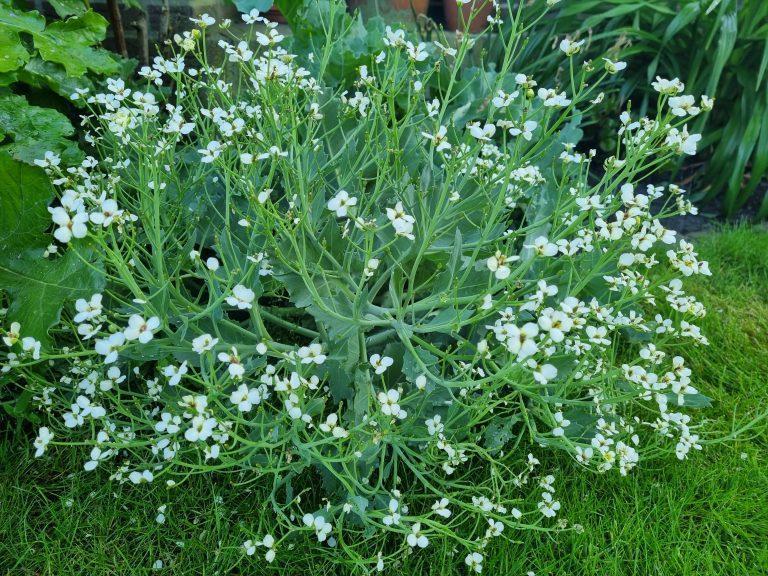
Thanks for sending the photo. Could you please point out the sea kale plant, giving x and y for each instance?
(354, 301)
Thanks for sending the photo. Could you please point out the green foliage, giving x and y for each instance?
(34, 130)
(37, 287)
(707, 518)
(716, 47)
(69, 43)
(372, 266)
(47, 63)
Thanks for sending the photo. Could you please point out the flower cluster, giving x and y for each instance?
(362, 286)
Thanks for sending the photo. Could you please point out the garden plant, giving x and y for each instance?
(362, 298)
(657, 36)
(41, 65)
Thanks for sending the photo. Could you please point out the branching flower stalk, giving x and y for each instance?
(369, 303)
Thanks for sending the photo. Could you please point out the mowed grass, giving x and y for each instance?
(706, 516)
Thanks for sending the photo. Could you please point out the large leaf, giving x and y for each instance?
(34, 130)
(66, 8)
(38, 288)
(25, 193)
(20, 20)
(69, 42)
(42, 74)
(246, 6)
(12, 51)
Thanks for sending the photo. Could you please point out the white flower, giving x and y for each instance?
(439, 139)
(562, 424)
(203, 21)
(525, 129)
(107, 213)
(669, 87)
(441, 508)
(358, 102)
(50, 160)
(253, 17)
(341, 203)
(416, 538)
(614, 67)
(249, 547)
(210, 152)
(544, 247)
(548, 506)
(241, 53)
(68, 226)
(417, 52)
(394, 38)
(175, 374)
(97, 455)
(684, 142)
(168, 423)
(435, 425)
(145, 476)
(88, 309)
(13, 335)
(321, 527)
(521, 341)
(44, 436)
(30, 344)
(201, 428)
(311, 354)
(498, 265)
(389, 404)
(80, 410)
(683, 105)
(552, 98)
(557, 323)
(401, 222)
(543, 373)
(433, 107)
(502, 99)
(268, 542)
(569, 47)
(446, 50)
(370, 267)
(245, 398)
(495, 528)
(393, 518)
(483, 133)
(475, 562)
(380, 363)
(331, 425)
(241, 298)
(204, 343)
(108, 347)
(236, 369)
(140, 329)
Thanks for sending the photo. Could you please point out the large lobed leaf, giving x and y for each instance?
(16, 20)
(70, 43)
(38, 288)
(12, 51)
(25, 193)
(33, 130)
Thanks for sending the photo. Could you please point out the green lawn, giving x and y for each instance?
(706, 516)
